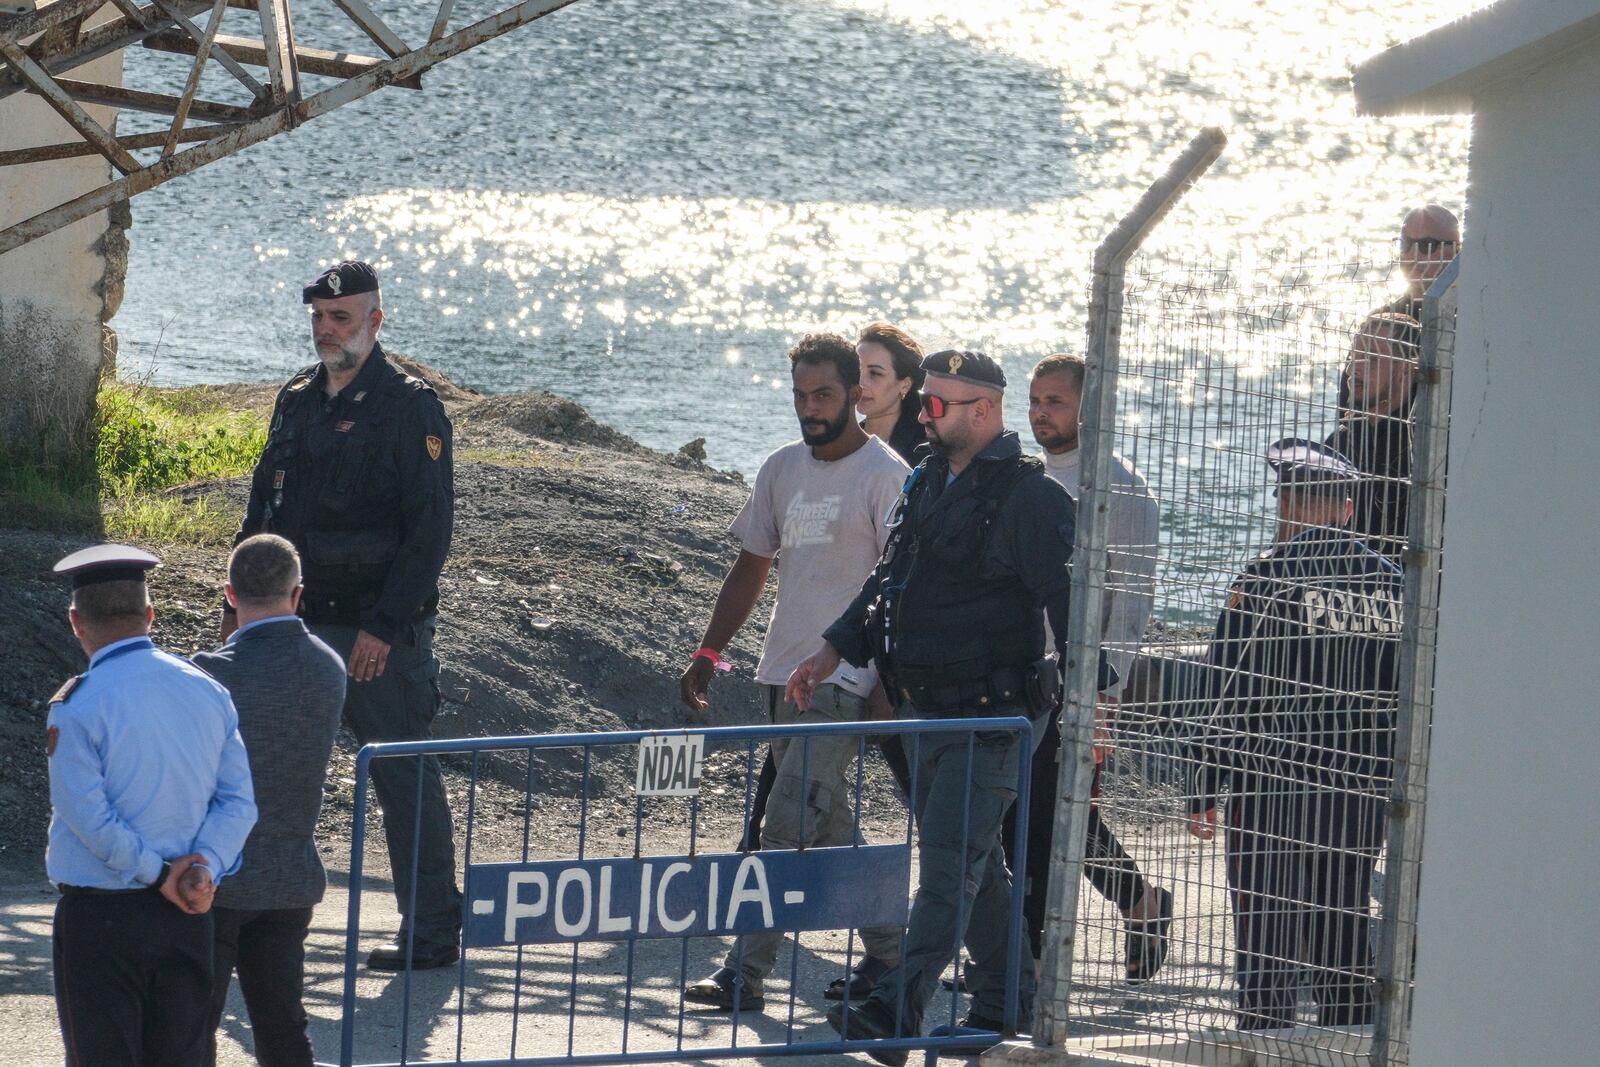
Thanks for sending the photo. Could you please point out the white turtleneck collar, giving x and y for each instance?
(1063, 467)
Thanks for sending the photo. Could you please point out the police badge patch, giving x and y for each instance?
(51, 736)
(435, 447)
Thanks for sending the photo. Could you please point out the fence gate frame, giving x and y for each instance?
(1390, 1037)
(953, 1041)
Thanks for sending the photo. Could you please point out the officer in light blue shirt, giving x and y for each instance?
(151, 804)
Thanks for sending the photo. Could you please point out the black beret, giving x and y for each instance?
(106, 563)
(974, 367)
(342, 279)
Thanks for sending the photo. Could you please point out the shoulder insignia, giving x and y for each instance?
(435, 447)
(301, 380)
(1235, 598)
(66, 689)
(51, 736)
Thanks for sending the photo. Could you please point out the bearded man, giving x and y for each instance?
(356, 474)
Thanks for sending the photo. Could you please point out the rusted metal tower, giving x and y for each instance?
(39, 50)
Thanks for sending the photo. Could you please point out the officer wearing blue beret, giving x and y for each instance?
(1304, 669)
(356, 474)
(954, 616)
(151, 803)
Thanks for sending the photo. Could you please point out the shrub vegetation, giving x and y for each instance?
(146, 444)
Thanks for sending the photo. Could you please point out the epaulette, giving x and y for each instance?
(302, 379)
(403, 384)
(66, 689)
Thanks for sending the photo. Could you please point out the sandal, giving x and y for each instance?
(1145, 941)
(861, 980)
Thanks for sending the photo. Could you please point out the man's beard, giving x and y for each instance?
(1053, 442)
(345, 359)
(827, 436)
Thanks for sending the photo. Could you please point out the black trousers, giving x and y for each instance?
(1299, 862)
(132, 977)
(1109, 868)
(268, 949)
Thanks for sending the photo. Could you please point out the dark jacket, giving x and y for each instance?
(967, 572)
(908, 434)
(1381, 448)
(1304, 669)
(362, 484)
(289, 689)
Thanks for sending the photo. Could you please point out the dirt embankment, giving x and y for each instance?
(581, 575)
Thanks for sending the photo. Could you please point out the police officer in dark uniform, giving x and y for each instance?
(953, 615)
(356, 473)
(1304, 667)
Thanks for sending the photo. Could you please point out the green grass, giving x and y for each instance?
(526, 458)
(144, 442)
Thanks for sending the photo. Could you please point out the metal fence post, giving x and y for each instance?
(1097, 423)
(358, 844)
(1414, 713)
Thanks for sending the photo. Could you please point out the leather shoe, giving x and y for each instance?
(719, 990)
(869, 1021)
(392, 957)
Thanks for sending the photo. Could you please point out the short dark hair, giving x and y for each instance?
(815, 349)
(1060, 363)
(904, 351)
(263, 569)
(108, 602)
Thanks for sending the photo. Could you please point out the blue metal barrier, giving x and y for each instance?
(660, 889)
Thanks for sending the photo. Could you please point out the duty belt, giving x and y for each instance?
(930, 692)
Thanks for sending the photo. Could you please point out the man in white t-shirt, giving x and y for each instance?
(820, 503)
(1055, 395)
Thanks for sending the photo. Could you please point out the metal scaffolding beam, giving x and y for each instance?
(38, 47)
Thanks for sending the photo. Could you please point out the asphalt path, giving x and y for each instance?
(494, 1007)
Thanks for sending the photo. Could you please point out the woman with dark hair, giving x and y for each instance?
(891, 375)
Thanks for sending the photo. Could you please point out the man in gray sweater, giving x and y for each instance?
(289, 690)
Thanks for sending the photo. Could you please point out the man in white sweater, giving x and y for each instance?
(1054, 395)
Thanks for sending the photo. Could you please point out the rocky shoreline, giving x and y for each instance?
(582, 571)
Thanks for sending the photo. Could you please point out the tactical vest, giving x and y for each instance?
(333, 490)
(948, 609)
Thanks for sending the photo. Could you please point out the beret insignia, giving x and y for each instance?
(435, 446)
(955, 362)
(335, 283)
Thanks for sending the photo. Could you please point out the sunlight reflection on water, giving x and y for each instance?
(646, 231)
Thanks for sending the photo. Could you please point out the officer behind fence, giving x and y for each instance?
(952, 617)
(1304, 667)
(356, 474)
(151, 802)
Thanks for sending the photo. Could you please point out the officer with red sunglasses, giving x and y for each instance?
(953, 615)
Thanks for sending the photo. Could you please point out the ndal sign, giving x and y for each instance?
(685, 896)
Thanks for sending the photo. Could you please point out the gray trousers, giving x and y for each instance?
(812, 806)
(399, 705)
(950, 908)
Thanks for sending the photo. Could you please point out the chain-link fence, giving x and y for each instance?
(1283, 684)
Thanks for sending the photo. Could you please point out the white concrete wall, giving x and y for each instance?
(1508, 971)
(52, 295)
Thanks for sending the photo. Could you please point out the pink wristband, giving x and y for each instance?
(715, 658)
